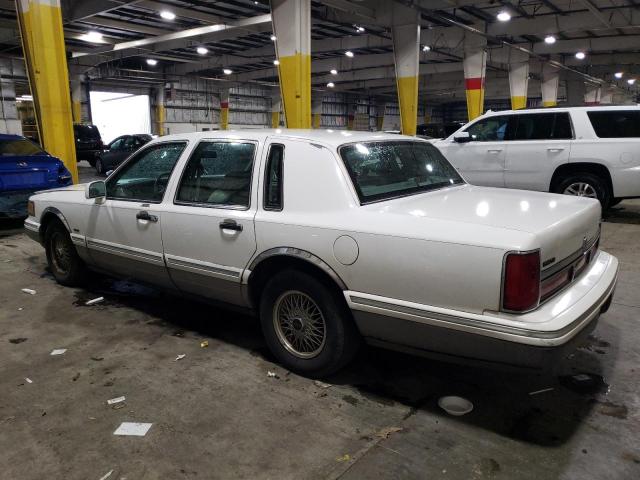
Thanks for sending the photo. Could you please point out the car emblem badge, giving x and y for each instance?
(584, 244)
(23, 164)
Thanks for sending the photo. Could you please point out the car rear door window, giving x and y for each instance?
(542, 126)
(144, 178)
(218, 174)
(19, 147)
(273, 178)
(491, 129)
(615, 123)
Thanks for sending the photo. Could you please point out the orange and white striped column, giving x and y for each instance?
(292, 28)
(475, 64)
(549, 85)
(224, 109)
(405, 33)
(276, 107)
(518, 78)
(316, 111)
(592, 94)
(43, 45)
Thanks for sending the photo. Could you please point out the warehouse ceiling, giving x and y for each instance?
(115, 39)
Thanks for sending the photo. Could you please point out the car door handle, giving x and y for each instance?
(555, 149)
(228, 224)
(494, 150)
(144, 215)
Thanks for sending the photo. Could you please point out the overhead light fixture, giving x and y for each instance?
(580, 55)
(426, 48)
(24, 98)
(333, 71)
(503, 16)
(359, 29)
(167, 15)
(202, 50)
(331, 84)
(273, 38)
(227, 71)
(276, 62)
(550, 39)
(618, 75)
(349, 53)
(92, 36)
(631, 81)
(152, 61)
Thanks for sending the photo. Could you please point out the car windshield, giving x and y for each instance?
(382, 170)
(19, 146)
(87, 132)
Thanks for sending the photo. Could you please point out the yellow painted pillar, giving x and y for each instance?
(474, 64)
(316, 111)
(405, 33)
(380, 110)
(76, 99)
(276, 106)
(224, 109)
(518, 78)
(160, 111)
(549, 85)
(42, 35)
(292, 28)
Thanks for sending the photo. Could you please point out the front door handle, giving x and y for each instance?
(229, 224)
(144, 215)
(555, 149)
(495, 150)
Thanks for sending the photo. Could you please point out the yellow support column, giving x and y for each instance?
(518, 79)
(405, 33)
(45, 56)
(292, 28)
(160, 112)
(316, 111)
(224, 109)
(276, 106)
(549, 85)
(475, 63)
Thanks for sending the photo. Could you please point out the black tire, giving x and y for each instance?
(99, 166)
(599, 185)
(615, 202)
(92, 162)
(341, 337)
(66, 266)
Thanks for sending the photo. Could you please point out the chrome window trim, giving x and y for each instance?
(266, 174)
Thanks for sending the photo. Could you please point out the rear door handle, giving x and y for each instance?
(229, 224)
(144, 215)
(555, 149)
(495, 150)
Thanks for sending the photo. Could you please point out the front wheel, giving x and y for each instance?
(585, 185)
(307, 326)
(66, 266)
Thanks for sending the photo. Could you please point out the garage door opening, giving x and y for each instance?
(118, 114)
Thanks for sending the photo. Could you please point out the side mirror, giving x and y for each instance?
(462, 137)
(97, 189)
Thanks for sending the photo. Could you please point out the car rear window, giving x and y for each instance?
(615, 123)
(87, 132)
(542, 126)
(19, 147)
(388, 169)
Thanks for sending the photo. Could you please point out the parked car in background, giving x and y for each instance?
(24, 169)
(88, 143)
(292, 224)
(438, 130)
(118, 150)
(584, 151)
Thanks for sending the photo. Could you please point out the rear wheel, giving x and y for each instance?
(308, 326)
(585, 185)
(66, 266)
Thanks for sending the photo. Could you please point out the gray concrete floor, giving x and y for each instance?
(217, 414)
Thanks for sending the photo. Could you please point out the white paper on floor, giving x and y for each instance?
(30, 291)
(111, 401)
(58, 351)
(133, 428)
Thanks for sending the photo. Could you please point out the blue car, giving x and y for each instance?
(24, 169)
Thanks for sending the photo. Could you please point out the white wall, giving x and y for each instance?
(118, 114)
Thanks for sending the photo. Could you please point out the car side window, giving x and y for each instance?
(615, 123)
(492, 129)
(117, 144)
(144, 178)
(218, 174)
(130, 142)
(542, 126)
(273, 178)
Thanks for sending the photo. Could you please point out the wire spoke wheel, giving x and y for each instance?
(299, 324)
(581, 189)
(60, 252)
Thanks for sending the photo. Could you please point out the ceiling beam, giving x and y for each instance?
(74, 10)
(595, 11)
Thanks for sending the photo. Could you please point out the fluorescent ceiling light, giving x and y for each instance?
(331, 84)
(631, 81)
(503, 16)
(152, 61)
(426, 48)
(349, 53)
(618, 74)
(227, 71)
(202, 50)
(92, 36)
(276, 62)
(273, 38)
(580, 55)
(333, 71)
(167, 15)
(550, 39)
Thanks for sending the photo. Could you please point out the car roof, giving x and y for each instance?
(590, 108)
(10, 136)
(328, 137)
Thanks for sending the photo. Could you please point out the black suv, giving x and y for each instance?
(88, 143)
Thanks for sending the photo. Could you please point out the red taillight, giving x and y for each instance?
(521, 288)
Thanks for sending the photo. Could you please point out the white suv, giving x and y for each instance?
(585, 151)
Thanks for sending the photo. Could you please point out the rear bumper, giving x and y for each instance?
(538, 339)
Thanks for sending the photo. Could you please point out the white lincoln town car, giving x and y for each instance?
(332, 237)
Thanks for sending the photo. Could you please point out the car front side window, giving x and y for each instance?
(492, 129)
(144, 178)
(218, 174)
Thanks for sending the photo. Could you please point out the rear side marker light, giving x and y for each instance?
(521, 285)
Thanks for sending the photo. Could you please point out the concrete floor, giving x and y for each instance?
(217, 414)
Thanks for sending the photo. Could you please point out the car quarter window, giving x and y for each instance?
(492, 129)
(615, 123)
(273, 178)
(542, 126)
(117, 144)
(145, 177)
(218, 174)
